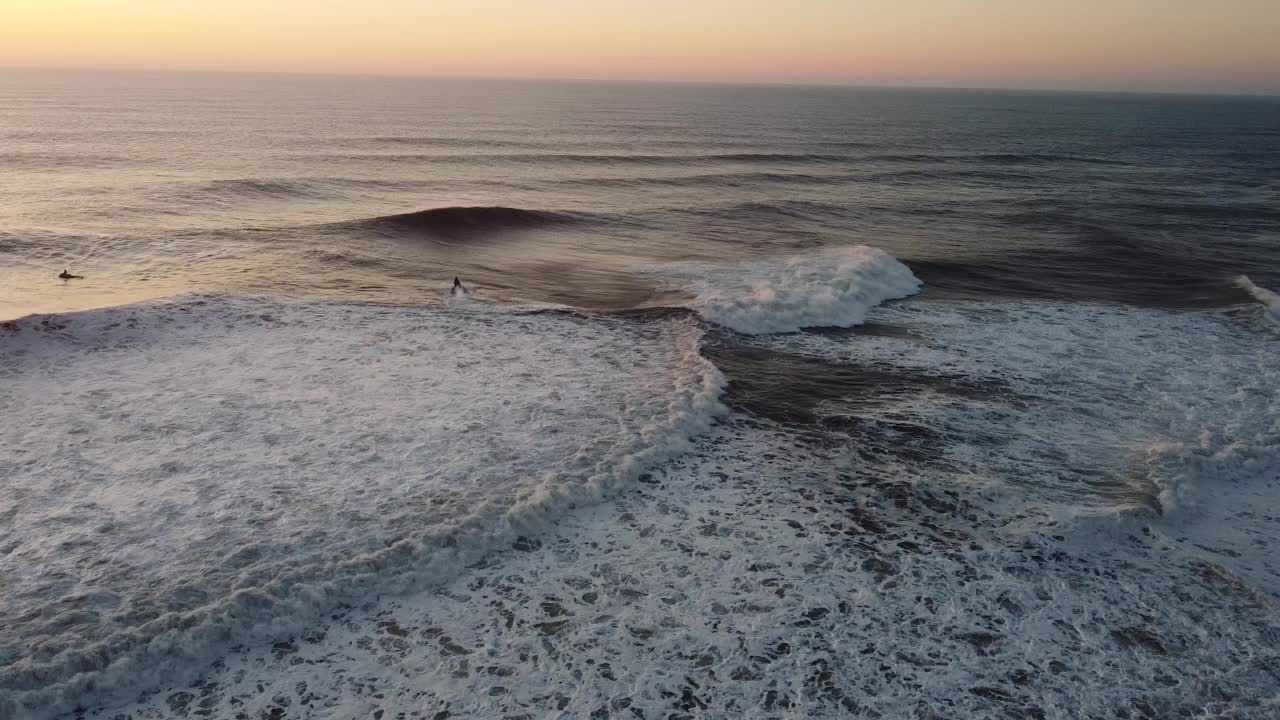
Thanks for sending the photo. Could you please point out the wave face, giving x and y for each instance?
(269, 462)
(464, 222)
(832, 288)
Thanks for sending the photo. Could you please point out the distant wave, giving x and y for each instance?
(259, 187)
(1045, 159)
(1112, 269)
(785, 210)
(714, 180)
(751, 179)
(999, 159)
(37, 161)
(91, 134)
(908, 177)
(21, 242)
(1252, 212)
(715, 158)
(315, 187)
(594, 145)
(463, 222)
(589, 158)
(39, 245)
(446, 142)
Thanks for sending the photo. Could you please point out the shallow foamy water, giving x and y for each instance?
(189, 474)
(762, 577)
(986, 510)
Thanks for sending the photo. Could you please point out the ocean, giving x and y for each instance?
(759, 402)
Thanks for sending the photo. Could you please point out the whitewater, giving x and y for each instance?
(207, 470)
(193, 476)
(263, 463)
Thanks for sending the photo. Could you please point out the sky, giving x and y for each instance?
(1230, 46)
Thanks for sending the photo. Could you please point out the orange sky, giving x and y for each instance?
(1193, 45)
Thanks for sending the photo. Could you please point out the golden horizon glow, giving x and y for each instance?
(1175, 45)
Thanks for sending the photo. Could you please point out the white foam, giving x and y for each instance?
(184, 475)
(1096, 410)
(834, 287)
(769, 576)
(764, 578)
(1268, 298)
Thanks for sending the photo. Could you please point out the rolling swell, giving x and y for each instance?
(997, 159)
(286, 188)
(53, 161)
(463, 222)
(593, 158)
(712, 180)
(770, 212)
(447, 142)
(1122, 276)
(254, 187)
(753, 179)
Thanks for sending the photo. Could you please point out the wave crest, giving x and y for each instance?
(1268, 298)
(835, 287)
(464, 222)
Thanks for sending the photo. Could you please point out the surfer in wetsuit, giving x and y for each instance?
(64, 275)
(457, 289)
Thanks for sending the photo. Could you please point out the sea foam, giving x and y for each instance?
(1096, 411)
(186, 475)
(1268, 298)
(835, 287)
(761, 576)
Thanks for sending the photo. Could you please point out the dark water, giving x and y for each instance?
(764, 401)
(284, 185)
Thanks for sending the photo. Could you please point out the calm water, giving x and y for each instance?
(764, 401)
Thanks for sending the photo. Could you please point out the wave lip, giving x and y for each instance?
(832, 288)
(1268, 298)
(463, 222)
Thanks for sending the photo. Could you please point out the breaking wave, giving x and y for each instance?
(1268, 298)
(835, 287)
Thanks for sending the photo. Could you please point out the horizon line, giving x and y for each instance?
(834, 84)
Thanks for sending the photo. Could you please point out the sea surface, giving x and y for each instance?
(759, 402)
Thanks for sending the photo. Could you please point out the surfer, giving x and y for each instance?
(64, 275)
(457, 289)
